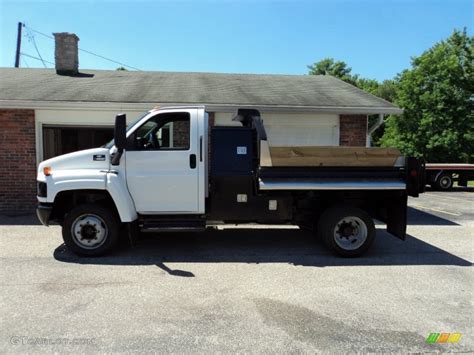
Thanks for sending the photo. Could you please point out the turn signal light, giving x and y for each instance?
(47, 170)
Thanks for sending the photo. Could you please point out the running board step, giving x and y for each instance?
(153, 226)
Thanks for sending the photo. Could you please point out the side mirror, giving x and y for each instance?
(120, 137)
(120, 133)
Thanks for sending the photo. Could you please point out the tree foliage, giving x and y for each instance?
(437, 97)
(436, 94)
(329, 66)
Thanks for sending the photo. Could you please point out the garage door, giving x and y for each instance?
(295, 129)
(62, 140)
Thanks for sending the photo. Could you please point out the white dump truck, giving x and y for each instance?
(168, 171)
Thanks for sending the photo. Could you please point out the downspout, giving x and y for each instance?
(373, 129)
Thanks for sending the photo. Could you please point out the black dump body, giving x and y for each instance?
(242, 191)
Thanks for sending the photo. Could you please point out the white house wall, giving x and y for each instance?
(291, 129)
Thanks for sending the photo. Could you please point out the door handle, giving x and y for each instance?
(200, 148)
(192, 161)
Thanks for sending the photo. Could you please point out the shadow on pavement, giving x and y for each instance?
(416, 216)
(19, 220)
(292, 246)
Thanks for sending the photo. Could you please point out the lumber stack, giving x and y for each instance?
(333, 156)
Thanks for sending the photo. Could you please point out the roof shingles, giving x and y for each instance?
(186, 88)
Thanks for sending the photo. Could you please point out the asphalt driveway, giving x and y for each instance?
(243, 289)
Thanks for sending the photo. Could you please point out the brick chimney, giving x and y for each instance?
(66, 53)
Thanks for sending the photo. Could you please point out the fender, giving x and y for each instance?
(67, 180)
(117, 188)
(437, 175)
(91, 179)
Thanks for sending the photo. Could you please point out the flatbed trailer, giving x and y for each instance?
(142, 183)
(443, 176)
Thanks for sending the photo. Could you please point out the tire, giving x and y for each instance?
(444, 182)
(91, 230)
(346, 231)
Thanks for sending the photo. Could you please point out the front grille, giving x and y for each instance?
(42, 189)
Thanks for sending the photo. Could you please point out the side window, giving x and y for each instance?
(166, 131)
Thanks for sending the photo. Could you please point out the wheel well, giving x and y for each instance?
(65, 201)
(375, 203)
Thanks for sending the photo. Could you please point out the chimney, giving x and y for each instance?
(66, 53)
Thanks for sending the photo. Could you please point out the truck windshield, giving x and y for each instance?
(111, 143)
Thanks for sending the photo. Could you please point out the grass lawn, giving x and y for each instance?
(469, 183)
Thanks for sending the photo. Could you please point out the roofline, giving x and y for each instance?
(145, 106)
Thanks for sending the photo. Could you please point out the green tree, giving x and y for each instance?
(437, 97)
(386, 89)
(121, 69)
(329, 66)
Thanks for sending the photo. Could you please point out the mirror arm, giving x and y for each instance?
(116, 157)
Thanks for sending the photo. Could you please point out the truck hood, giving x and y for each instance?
(96, 158)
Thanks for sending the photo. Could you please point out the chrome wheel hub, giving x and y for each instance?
(350, 233)
(89, 231)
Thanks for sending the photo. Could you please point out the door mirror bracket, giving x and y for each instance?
(120, 137)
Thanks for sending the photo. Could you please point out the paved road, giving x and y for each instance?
(243, 290)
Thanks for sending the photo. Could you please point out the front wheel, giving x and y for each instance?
(346, 231)
(90, 230)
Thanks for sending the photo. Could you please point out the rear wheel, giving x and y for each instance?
(90, 230)
(346, 231)
(444, 182)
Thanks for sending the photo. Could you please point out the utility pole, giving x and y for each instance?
(18, 46)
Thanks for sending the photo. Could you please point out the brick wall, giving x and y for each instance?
(181, 134)
(212, 119)
(17, 161)
(352, 130)
(181, 131)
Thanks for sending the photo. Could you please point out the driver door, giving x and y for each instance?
(161, 165)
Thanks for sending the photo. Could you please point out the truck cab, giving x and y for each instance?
(159, 175)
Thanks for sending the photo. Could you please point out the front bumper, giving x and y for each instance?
(43, 211)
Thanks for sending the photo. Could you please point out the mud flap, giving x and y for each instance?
(396, 218)
(416, 176)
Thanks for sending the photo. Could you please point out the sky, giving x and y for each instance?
(376, 38)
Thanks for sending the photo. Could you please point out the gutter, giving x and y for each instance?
(372, 129)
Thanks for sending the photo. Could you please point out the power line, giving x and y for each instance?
(84, 50)
(24, 61)
(31, 38)
(38, 32)
(110, 60)
(33, 57)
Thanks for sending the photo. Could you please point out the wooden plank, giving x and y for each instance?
(333, 156)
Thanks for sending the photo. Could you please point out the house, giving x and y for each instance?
(47, 112)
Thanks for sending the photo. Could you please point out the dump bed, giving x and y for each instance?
(330, 168)
(338, 168)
